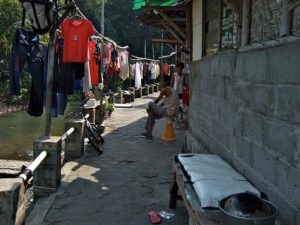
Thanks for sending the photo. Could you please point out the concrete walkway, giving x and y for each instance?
(119, 187)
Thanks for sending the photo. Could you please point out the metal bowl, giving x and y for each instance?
(247, 209)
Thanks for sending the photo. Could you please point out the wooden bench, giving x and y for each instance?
(197, 215)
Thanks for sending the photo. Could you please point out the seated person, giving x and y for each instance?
(157, 111)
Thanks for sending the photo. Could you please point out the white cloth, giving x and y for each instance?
(138, 75)
(178, 83)
(86, 80)
(124, 65)
(213, 179)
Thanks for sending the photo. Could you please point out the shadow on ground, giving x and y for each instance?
(132, 177)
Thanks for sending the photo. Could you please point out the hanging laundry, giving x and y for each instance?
(27, 49)
(132, 71)
(86, 80)
(138, 75)
(94, 61)
(65, 73)
(157, 70)
(166, 69)
(124, 65)
(76, 34)
(153, 71)
(107, 53)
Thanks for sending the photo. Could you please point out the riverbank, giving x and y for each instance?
(4, 109)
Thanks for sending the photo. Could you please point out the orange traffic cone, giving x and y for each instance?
(169, 130)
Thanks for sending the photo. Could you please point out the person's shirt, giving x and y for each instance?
(178, 82)
(171, 102)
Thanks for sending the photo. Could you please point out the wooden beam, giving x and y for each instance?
(293, 4)
(172, 24)
(172, 32)
(179, 19)
(168, 41)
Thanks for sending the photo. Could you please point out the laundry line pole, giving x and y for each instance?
(145, 49)
(49, 83)
(102, 17)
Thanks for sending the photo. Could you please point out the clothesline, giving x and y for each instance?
(168, 56)
(140, 58)
(101, 37)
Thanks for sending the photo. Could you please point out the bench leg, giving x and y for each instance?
(173, 193)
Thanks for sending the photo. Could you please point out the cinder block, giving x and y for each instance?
(227, 113)
(244, 150)
(216, 147)
(229, 90)
(214, 63)
(238, 123)
(264, 163)
(297, 151)
(252, 66)
(222, 134)
(219, 84)
(242, 92)
(280, 138)
(284, 64)
(288, 102)
(227, 65)
(259, 98)
(288, 180)
(253, 127)
(12, 193)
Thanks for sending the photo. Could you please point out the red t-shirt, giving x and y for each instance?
(94, 58)
(76, 34)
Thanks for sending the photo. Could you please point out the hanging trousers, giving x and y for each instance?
(26, 50)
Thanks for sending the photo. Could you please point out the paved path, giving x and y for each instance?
(119, 187)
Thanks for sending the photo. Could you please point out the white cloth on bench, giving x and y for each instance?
(213, 179)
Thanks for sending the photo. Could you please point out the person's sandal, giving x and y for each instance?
(146, 135)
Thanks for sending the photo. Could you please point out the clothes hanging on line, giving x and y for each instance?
(76, 34)
(27, 50)
(86, 80)
(166, 69)
(138, 75)
(124, 64)
(94, 51)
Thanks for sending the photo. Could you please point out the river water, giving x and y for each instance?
(18, 131)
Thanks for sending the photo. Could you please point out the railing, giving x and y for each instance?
(28, 172)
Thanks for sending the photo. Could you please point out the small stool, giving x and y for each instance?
(169, 134)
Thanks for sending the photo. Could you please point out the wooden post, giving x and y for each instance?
(49, 83)
(246, 22)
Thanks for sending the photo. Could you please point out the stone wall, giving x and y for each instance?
(245, 107)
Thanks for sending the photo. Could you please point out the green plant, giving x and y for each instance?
(108, 106)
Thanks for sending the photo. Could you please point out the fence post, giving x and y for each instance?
(74, 145)
(47, 177)
(92, 112)
(12, 193)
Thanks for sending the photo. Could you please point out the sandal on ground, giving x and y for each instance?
(154, 217)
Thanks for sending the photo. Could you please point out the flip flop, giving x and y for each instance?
(154, 217)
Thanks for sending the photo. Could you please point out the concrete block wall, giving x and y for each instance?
(245, 107)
